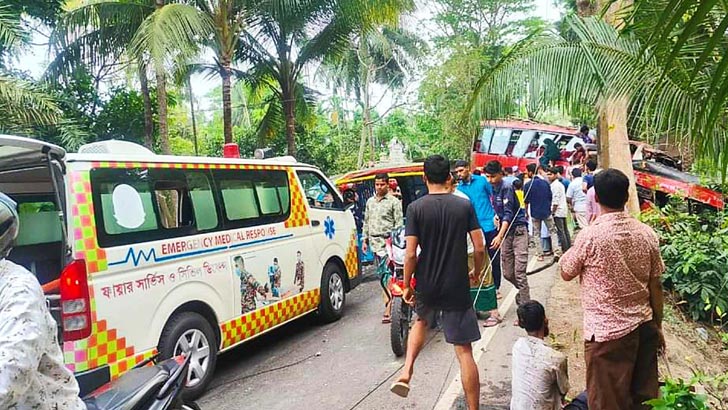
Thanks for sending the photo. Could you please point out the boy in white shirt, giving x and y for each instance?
(540, 378)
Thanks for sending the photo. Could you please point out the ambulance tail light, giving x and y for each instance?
(75, 302)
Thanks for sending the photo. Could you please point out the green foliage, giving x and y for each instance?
(122, 116)
(695, 250)
(678, 394)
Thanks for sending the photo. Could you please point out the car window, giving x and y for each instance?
(318, 192)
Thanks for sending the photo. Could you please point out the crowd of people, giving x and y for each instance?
(503, 212)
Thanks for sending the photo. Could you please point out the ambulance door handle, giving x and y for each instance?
(315, 223)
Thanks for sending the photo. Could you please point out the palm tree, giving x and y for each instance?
(690, 40)
(286, 36)
(23, 104)
(150, 33)
(229, 18)
(596, 65)
(383, 56)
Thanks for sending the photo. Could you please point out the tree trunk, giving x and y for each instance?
(614, 143)
(366, 137)
(192, 114)
(613, 115)
(148, 121)
(162, 101)
(586, 8)
(227, 113)
(289, 108)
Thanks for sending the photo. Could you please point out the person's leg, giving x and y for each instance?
(415, 341)
(567, 234)
(495, 259)
(581, 219)
(469, 374)
(644, 381)
(609, 370)
(520, 250)
(551, 226)
(537, 233)
(561, 230)
(509, 259)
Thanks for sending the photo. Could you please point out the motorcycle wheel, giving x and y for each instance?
(399, 329)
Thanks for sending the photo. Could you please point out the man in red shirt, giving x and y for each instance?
(618, 261)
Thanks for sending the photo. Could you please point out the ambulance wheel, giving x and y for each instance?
(333, 295)
(190, 333)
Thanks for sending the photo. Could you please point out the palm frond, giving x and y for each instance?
(24, 104)
(171, 33)
(11, 34)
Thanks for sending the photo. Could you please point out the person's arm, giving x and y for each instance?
(476, 236)
(21, 338)
(509, 214)
(571, 263)
(555, 197)
(398, 217)
(412, 234)
(657, 301)
(562, 377)
(365, 229)
(410, 264)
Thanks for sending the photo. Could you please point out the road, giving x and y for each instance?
(349, 365)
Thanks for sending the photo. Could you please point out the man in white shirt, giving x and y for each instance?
(576, 198)
(32, 373)
(540, 377)
(558, 208)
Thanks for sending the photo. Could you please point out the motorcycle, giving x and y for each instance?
(391, 273)
(157, 387)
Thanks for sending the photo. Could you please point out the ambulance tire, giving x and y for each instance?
(182, 328)
(333, 293)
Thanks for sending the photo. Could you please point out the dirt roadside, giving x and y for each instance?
(686, 350)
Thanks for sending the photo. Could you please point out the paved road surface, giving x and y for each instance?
(311, 366)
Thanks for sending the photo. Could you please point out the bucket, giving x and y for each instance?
(487, 299)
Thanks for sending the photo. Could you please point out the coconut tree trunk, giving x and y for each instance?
(146, 97)
(227, 113)
(162, 102)
(289, 109)
(613, 115)
(614, 141)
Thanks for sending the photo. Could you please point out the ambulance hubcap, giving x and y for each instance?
(194, 343)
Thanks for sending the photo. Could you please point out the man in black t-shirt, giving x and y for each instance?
(438, 224)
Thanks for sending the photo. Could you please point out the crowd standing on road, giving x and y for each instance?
(621, 291)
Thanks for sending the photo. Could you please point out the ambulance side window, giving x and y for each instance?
(140, 205)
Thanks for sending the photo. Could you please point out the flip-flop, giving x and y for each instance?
(386, 320)
(401, 389)
(491, 322)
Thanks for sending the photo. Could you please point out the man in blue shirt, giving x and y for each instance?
(538, 198)
(480, 194)
(513, 233)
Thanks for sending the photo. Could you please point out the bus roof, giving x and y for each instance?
(529, 125)
(396, 170)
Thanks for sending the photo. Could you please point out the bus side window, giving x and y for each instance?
(501, 138)
(513, 141)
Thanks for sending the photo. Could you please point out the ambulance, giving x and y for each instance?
(141, 254)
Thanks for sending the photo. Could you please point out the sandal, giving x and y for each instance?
(386, 319)
(492, 321)
(401, 389)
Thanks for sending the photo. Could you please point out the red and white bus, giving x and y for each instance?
(518, 143)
